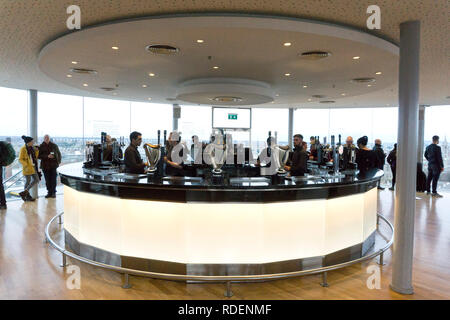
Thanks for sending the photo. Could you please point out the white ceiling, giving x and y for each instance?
(27, 26)
(240, 46)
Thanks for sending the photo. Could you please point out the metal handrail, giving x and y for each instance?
(167, 276)
(12, 177)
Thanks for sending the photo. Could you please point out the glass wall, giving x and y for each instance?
(265, 120)
(195, 120)
(436, 123)
(375, 123)
(13, 121)
(148, 118)
(54, 110)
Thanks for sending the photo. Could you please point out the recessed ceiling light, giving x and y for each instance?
(305, 86)
(287, 74)
(144, 86)
(272, 102)
(151, 74)
(69, 76)
(369, 85)
(149, 98)
(287, 44)
(356, 58)
(85, 84)
(115, 48)
(379, 72)
(216, 67)
(309, 99)
(200, 41)
(74, 62)
(342, 94)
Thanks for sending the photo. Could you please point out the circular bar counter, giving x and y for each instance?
(237, 226)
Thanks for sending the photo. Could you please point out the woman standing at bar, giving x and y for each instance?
(28, 158)
(365, 158)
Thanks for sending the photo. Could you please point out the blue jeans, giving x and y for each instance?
(434, 171)
(31, 181)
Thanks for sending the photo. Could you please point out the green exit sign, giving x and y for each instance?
(232, 116)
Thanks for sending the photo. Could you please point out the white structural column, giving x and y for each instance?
(421, 134)
(290, 126)
(33, 125)
(176, 115)
(405, 194)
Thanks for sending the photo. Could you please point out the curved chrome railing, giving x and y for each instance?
(227, 279)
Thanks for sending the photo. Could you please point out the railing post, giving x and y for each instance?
(60, 220)
(228, 293)
(64, 261)
(324, 280)
(126, 281)
(381, 261)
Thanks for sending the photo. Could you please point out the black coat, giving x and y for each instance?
(366, 160)
(380, 155)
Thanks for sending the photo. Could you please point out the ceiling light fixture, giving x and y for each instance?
(216, 67)
(69, 76)
(149, 98)
(343, 94)
(379, 72)
(287, 74)
(144, 86)
(287, 44)
(115, 48)
(200, 41)
(74, 62)
(151, 74)
(305, 86)
(85, 84)
(314, 55)
(161, 49)
(369, 85)
(309, 99)
(356, 58)
(83, 71)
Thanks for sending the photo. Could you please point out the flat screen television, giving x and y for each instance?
(232, 118)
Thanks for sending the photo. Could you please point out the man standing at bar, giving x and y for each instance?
(381, 158)
(435, 165)
(132, 158)
(50, 160)
(298, 164)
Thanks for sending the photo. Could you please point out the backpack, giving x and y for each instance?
(7, 154)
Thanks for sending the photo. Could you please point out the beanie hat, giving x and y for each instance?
(363, 140)
(27, 139)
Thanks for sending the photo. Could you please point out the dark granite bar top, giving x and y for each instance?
(215, 189)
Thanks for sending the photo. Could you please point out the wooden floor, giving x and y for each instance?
(29, 268)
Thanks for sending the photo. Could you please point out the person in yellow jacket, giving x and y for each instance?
(28, 158)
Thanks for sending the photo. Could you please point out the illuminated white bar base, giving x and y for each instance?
(223, 233)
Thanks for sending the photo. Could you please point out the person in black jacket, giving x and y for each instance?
(50, 157)
(132, 158)
(435, 165)
(366, 159)
(392, 160)
(381, 156)
(298, 163)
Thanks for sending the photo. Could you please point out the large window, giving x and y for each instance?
(148, 118)
(436, 123)
(61, 117)
(265, 120)
(195, 121)
(105, 115)
(13, 121)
